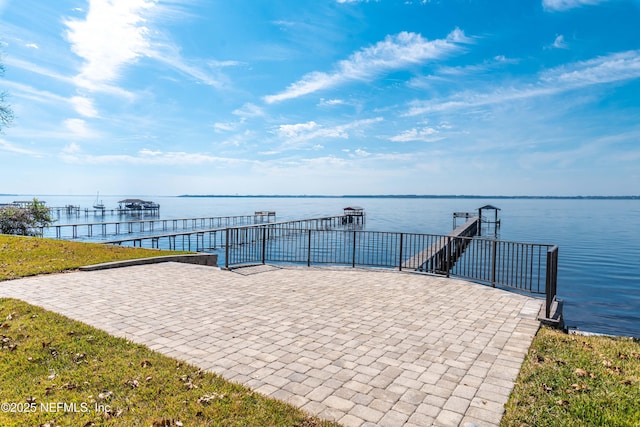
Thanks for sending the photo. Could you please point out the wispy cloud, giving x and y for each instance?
(6, 146)
(84, 106)
(296, 135)
(331, 102)
(612, 68)
(603, 69)
(425, 134)
(78, 129)
(170, 55)
(249, 110)
(486, 66)
(226, 126)
(73, 154)
(560, 5)
(393, 53)
(20, 90)
(560, 43)
(37, 69)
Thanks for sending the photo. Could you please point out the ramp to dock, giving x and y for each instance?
(434, 257)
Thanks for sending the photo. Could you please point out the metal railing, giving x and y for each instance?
(528, 267)
(117, 228)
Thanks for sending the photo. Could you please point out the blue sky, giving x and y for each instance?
(321, 97)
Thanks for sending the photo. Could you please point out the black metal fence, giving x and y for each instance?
(528, 267)
(110, 229)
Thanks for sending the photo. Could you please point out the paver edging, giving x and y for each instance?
(210, 260)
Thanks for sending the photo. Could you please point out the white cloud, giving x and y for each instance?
(484, 67)
(362, 153)
(84, 106)
(222, 64)
(426, 134)
(393, 53)
(49, 73)
(117, 33)
(249, 110)
(28, 92)
(6, 146)
(603, 69)
(294, 131)
(612, 68)
(79, 129)
(37, 69)
(112, 35)
(226, 127)
(300, 133)
(32, 46)
(171, 56)
(561, 5)
(330, 102)
(72, 154)
(560, 43)
(71, 148)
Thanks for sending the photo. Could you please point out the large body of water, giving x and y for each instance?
(599, 240)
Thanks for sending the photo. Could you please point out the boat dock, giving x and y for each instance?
(114, 228)
(442, 254)
(125, 207)
(238, 235)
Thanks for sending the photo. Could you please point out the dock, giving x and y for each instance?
(115, 228)
(134, 207)
(441, 255)
(224, 236)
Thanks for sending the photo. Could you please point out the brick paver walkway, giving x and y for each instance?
(362, 347)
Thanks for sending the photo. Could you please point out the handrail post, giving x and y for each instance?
(448, 256)
(552, 278)
(400, 259)
(264, 244)
(494, 262)
(226, 248)
(309, 248)
(353, 254)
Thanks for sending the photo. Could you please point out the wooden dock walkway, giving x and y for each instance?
(434, 257)
(239, 235)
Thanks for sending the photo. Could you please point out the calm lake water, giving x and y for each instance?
(599, 240)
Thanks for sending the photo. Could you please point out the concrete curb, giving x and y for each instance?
(210, 260)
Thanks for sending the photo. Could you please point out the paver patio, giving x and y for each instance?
(363, 347)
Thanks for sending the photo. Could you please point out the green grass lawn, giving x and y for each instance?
(573, 380)
(28, 256)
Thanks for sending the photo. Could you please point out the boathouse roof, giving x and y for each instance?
(489, 207)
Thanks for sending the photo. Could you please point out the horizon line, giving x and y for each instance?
(391, 196)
